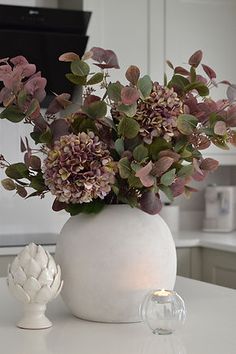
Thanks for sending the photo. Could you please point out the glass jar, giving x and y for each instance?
(163, 311)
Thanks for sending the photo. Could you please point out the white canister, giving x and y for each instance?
(170, 214)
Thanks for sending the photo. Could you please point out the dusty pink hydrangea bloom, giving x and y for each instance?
(79, 168)
(157, 115)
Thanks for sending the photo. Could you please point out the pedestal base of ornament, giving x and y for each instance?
(34, 317)
(109, 261)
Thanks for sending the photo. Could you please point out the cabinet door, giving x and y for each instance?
(219, 267)
(208, 25)
(184, 262)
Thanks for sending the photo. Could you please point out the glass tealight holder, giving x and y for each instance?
(163, 311)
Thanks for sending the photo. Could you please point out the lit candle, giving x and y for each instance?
(162, 292)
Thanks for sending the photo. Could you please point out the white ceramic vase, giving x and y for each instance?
(109, 261)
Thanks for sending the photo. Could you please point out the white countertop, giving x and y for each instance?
(219, 241)
(209, 328)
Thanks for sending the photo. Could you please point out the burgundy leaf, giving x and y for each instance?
(90, 99)
(57, 205)
(225, 82)
(68, 57)
(209, 164)
(209, 71)
(220, 128)
(35, 162)
(59, 128)
(27, 157)
(162, 165)
(195, 59)
(111, 59)
(132, 74)
(201, 78)
(106, 58)
(170, 153)
(58, 103)
(98, 54)
(177, 187)
(21, 191)
(203, 142)
(182, 71)
(129, 95)
(150, 202)
(144, 175)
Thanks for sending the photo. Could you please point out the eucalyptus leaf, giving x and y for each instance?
(140, 153)
(186, 123)
(17, 171)
(145, 86)
(128, 127)
(124, 167)
(79, 68)
(13, 114)
(168, 178)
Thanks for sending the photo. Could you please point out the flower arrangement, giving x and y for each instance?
(138, 139)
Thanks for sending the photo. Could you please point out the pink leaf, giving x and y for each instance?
(150, 202)
(90, 99)
(129, 95)
(144, 175)
(195, 59)
(200, 176)
(59, 128)
(209, 71)
(106, 58)
(220, 128)
(68, 57)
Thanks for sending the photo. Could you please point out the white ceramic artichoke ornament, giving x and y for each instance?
(34, 279)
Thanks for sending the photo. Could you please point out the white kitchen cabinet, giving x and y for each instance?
(208, 25)
(219, 267)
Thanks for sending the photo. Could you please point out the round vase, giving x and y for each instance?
(109, 261)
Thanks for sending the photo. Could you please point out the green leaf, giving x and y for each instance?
(181, 143)
(128, 127)
(95, 79)
(185, 153)
(37, 182)
(167, 191)
(21, 98)
(145, 86)
(202, 89)
(83, 125)
(129, 110)
(36, 137)
(168, 178)
(79, 68)
(13, 114)
(93, 207)
(134, 181)
(34, 106)
(17, 171)
(76, 80)
(156, 146)
(119, 146)
(97, 109)
(124, 167)
(193, 74)
(185, 171)
(114, 91)
(140, 153)
(186, 123)
(179, 81)
(46, 137)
